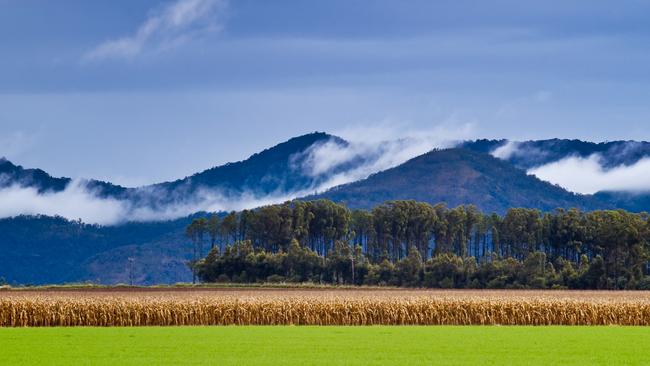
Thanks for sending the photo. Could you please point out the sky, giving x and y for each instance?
(142, 91)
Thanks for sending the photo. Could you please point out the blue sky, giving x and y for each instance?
(143, 91)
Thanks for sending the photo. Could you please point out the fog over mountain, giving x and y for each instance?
(312, 164)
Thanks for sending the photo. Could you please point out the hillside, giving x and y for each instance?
(276, 170)
(631, 201)
(459, 176)
(42, 249)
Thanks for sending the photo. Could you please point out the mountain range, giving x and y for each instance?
(490, 174)
(274, 170)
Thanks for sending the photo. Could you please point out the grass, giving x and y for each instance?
(327, 346)
(84, 286)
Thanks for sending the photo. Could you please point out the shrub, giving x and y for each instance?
(275, 278)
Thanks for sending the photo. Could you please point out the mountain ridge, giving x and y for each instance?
(269, 167)
(459, 176)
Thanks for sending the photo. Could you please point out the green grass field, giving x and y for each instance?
(326, 346)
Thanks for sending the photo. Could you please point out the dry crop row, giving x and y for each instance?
(21, 311)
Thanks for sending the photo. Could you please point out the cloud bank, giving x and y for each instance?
(75, 202)
(169, 27)
(588, 176)
(79, 202)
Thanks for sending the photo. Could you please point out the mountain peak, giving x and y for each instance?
(269, 171)
(297, 144)
(37, 178)
(6, 164)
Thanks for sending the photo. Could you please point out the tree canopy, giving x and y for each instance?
(409, 243)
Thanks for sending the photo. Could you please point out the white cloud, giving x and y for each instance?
(377, 148)
(78, 202)
(507, 150)
(522, 151)
(209, 201)
(75, 202)
(174, 24)
(587, 175)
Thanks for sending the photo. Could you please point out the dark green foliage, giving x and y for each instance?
(414, 244)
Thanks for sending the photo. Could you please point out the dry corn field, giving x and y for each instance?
(320, 307)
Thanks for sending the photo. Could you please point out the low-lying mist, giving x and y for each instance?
(620, 168)
(588, 176)
(79, 202)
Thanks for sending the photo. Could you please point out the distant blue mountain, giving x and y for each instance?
(274, 170)
(11, 174)
(278, 170)
(16, 175)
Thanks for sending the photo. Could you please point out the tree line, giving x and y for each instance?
(409, 243)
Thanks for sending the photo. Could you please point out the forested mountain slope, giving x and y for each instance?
(42, 249)
(274, 170)
(456, 177)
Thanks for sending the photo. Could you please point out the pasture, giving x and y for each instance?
(290, 345)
